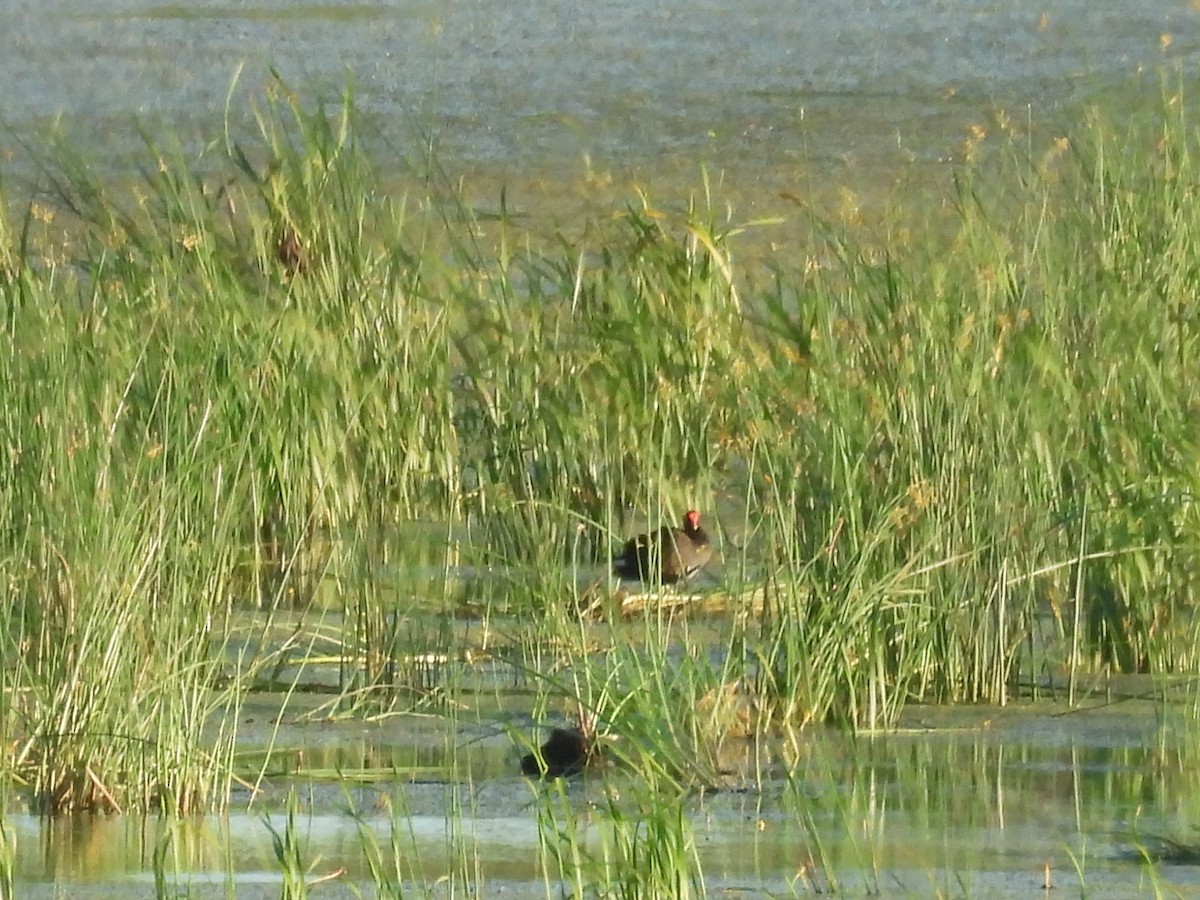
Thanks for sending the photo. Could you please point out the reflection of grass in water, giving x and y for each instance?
(640, 846)
(8, 853)
(1159, 848)
(226, 389)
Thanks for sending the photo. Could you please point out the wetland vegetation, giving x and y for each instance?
(272, 425)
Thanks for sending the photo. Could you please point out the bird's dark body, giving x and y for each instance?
(568, 751)
(668, 555)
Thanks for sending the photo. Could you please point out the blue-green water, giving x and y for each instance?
(773, 94)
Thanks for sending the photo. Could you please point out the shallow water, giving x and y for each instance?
(980, 808)
(536, 96)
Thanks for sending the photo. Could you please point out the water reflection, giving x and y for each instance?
(906, 806)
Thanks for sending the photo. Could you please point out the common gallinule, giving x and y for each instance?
(668, 555)
(290, 252)
(568, 751)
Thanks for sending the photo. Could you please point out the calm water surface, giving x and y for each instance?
(979, 810)
(773, 95)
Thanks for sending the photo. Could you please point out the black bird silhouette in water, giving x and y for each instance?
(568, 751)
(667, 555)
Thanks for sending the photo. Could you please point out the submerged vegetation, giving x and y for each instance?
(954, 465)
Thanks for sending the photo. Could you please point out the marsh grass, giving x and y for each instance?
(114, 578)
(288, 844)
(8, 859)
(630, 847)
(397, 868)
(956, 465)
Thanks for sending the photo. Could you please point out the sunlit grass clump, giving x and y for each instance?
(961, 469)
